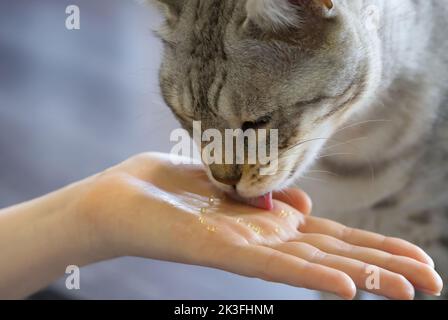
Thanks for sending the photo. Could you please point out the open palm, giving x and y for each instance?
(149, 207)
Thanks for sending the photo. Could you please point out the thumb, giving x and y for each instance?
(296, 198)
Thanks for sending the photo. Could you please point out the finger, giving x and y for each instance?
(388, 284)
(419, 274)
(272, 265)
(365, 239)
(296, 198)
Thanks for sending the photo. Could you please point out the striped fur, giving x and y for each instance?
(358, 93)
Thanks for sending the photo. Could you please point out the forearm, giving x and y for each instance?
(38, 240)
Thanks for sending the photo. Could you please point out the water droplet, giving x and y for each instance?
(211, 228)
(203, 210)
(255, 228)
(212, 200)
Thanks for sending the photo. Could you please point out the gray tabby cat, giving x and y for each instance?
(357, 88)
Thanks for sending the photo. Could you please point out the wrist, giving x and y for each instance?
(109, 206)
(38, 240)
(86, 223)
(68, 233)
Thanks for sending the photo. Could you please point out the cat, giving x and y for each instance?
(357, 89)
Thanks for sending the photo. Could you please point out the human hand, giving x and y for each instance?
(150, 208)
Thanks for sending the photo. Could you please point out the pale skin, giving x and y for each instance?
(149, 207)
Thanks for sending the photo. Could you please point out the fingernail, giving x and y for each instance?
(430, 293)
(430, 261)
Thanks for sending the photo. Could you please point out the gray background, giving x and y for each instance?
(73, 103)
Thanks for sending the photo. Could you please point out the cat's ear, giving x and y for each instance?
(277, 14)
(171, 8)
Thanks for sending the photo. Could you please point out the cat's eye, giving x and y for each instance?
(258, 124)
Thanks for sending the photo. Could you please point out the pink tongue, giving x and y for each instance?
(263, 202)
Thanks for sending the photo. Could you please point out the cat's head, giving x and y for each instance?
(300, 66)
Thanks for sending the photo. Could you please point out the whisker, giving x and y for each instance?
(303, 142)
(323, 171)
(360, 123)
(312, 179)
(344, 143)
(335, 154)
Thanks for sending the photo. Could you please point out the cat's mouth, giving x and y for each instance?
(264, 202)
(261, 200)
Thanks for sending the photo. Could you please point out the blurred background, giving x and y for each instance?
(74, 102)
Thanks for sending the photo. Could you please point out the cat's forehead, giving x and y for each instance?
(223, 63)
(211, 29)
(201, 21)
